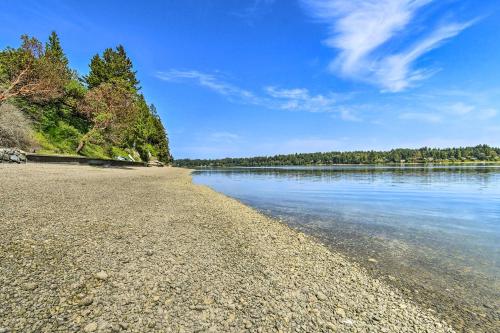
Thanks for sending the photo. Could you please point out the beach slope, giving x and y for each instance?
(143, 250)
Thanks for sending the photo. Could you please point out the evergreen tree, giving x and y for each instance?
(27, 72)
(54, 51)
(160, 138)
(113, 66)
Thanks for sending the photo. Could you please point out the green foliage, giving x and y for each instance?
(54, 51)
(113, 66)
(147, 133)
(105, 110)
(95, 150)
(60, 138)
(422, 155)
(30, 72)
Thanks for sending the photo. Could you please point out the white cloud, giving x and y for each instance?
(300, 99)
(254, 10)
(396, 73)
(359, 30)
(424, 117)
(488, 114)
(297, 145)
(224, 136)
(310, 145)
(297, 99)
(209, 81)
(460, 108)
(348, 115)
(480, 111)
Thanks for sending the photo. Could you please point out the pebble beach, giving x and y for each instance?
(86, 249)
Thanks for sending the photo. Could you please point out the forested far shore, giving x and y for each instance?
(47, 107)
(422, 155)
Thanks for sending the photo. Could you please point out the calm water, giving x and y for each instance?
(433, 230)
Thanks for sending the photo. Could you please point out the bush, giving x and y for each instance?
(15, 128)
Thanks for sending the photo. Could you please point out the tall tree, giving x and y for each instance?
(54, 50)
(28, 73)
(113, 66)
(111, 109)
(160, 139)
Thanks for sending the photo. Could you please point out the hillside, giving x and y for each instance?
(47, 107)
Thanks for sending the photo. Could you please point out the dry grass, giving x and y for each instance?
(15, 128)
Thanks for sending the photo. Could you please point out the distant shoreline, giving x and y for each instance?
(352, 164)
(425, 155)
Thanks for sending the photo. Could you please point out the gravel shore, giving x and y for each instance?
(86, 249)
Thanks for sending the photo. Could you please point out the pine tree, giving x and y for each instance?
(54, 51)
(97, 72)
(114, 66)
(161, 137)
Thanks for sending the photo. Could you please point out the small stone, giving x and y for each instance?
(198, 307)
(373, 260)
(149, 253)
(340, 312)
(123, 326)
(4, 330)
(321, 296)
(248, 325)
(331, 326)
(30, 286)
(86, 301)
(347, 322)
(102, 275)
(91, 327)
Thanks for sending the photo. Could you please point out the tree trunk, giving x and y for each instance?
(80, 146)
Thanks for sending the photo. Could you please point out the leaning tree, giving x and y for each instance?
(110, 108)
(29, 72)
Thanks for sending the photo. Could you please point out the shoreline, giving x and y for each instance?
(143, 250)
(462, 299)
(465, 299)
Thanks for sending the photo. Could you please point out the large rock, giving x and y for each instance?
(12, 155)
(155, 163)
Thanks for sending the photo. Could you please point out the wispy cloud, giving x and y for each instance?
(224, 136)
(488, 113)
(361, 29)
(349, 115)
(424, 117)
(299, 99)
(272, 97)
(460, 108)
(254, 10)
(469, 111)
(209, 81)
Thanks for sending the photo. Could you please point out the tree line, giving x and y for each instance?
(101, 114)
(422, 155)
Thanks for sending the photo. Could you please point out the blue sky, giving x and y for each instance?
(244, 78)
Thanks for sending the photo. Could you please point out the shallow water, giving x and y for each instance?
(433, 231)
